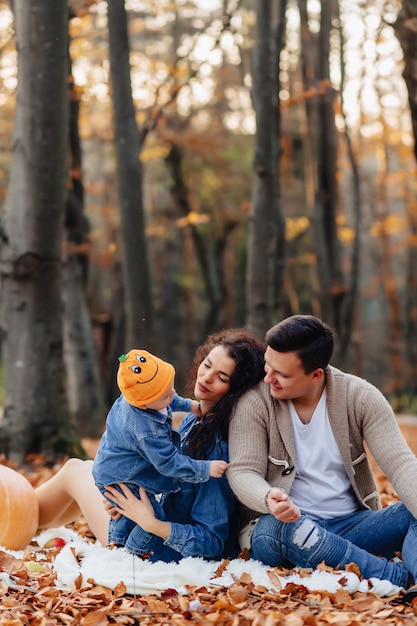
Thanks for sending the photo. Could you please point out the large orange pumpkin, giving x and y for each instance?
(19, 510)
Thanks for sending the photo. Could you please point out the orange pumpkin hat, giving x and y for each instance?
(143, 378)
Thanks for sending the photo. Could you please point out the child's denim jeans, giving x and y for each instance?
(127, 533)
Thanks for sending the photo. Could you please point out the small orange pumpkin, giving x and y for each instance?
(19, 510)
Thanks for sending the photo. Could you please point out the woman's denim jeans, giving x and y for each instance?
(367, 538)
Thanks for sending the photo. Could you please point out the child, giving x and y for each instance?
(139, 446)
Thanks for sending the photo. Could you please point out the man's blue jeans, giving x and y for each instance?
(367, 538)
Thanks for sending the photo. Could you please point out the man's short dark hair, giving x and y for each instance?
(306, 335)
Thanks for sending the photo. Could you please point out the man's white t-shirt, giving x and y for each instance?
(321, 487)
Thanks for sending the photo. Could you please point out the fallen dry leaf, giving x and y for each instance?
(32, 599)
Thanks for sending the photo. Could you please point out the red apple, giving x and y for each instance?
(55, 542)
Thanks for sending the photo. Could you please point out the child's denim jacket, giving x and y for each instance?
(140, 447)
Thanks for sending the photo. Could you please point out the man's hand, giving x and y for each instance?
(281, 506)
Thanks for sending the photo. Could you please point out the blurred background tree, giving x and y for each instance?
(228, 163)
(36, 412)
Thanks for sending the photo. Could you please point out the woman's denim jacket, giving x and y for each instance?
(140, 447)
(203, 516)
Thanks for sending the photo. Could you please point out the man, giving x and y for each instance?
(300, 470)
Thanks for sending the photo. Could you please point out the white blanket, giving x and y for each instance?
(95, 563)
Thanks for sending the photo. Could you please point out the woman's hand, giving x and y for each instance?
(138, 510)
(281, 506)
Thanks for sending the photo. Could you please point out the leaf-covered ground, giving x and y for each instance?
(28, 594)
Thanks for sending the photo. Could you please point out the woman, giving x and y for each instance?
(202, 517)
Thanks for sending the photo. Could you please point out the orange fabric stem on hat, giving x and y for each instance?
(143, 378)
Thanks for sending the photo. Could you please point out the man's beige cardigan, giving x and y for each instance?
(261, 444)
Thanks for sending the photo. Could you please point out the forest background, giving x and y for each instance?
(171, 168)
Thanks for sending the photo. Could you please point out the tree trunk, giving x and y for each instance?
(135, 259)
(350, 304)
(36, 414)
(266, 227)
(212, 274)
(321, 144)
(83, 377)
(410, 324)
(334, 288)
(406, 32)
(394, 319)
(310, 158)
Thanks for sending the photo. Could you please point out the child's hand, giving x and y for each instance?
(218, 468)
(111, 510)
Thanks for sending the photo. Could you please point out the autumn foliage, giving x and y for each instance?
(29, 593)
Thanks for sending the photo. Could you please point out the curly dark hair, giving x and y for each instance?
(248, 353)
